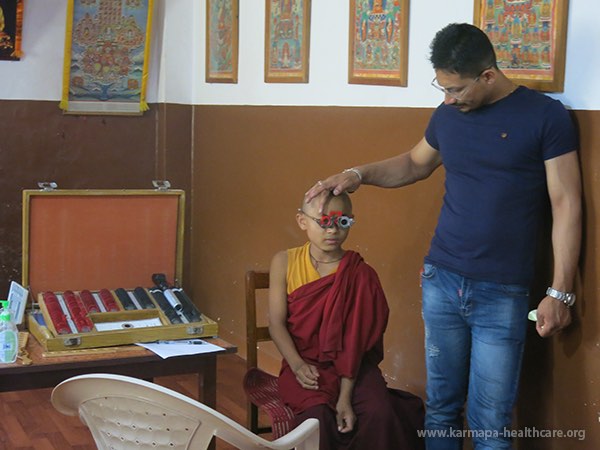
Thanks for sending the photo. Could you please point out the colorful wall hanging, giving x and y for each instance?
(222, 41)
(11, 25)
(529, 37)
(106, 56)
(287, 39)
(378, 42)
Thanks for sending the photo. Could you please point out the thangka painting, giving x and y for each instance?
(529, 37)
(378, 42)
(222, 41)
(106, 56)
(287, 41)
(11, 25)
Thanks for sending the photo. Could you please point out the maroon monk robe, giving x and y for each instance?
(334, 322)
(337, 324)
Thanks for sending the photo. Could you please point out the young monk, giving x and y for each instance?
(327, 316)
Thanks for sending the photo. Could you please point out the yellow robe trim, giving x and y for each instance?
(300, 270)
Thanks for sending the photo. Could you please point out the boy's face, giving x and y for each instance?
(330, 238)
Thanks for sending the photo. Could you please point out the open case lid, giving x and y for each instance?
(95, 239)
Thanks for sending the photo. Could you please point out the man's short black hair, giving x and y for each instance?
(463, 49)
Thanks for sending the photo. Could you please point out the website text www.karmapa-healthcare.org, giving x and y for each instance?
(527, 432)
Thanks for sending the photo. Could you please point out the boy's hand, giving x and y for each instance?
(345, 416)
(307, 375)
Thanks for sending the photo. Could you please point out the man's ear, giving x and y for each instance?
(489, 76)
(301, 221)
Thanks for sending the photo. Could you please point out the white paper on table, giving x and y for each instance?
(167, 349)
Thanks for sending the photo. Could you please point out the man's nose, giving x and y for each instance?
(449, 100)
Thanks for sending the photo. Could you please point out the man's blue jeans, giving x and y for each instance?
(474, 339)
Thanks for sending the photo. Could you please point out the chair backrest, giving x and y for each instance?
(255, 280)
(124, 412)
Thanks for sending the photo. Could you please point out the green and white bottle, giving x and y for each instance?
(9, 336)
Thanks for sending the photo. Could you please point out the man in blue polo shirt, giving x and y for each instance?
(506, 149)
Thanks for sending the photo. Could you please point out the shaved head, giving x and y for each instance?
(332, 202)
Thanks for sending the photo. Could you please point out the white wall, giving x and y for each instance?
(178, 55)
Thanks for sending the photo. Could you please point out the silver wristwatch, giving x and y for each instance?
(568, 298)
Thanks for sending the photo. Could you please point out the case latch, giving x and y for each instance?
(47, 185)
(161, 185)
(72, 341)
(195, 330)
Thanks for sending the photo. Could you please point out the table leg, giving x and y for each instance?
(207, 387)
(207, 380)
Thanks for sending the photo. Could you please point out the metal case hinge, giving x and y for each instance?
(47, 185)
(161, 185)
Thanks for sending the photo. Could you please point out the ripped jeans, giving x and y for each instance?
(474, 340)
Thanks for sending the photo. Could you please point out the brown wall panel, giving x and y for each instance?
(251, 168)
(245, 170)
(560, 388)
(174, 163)
(39, 143)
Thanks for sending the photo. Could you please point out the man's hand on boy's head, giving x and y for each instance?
(338, 183)
(308, 376)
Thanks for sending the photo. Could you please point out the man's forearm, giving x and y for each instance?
(566, 242)
(390, 173)
(564, 188)
(403, 169)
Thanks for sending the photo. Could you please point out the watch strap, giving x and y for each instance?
(568, 298)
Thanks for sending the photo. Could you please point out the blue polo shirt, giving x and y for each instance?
(496, 183)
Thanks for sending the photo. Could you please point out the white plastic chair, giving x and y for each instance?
(127, 413)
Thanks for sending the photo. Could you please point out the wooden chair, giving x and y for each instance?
(261, 387)
(126, 413)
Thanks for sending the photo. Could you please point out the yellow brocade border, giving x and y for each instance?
(18, 31)
(11, 30)
(143, 103)
(64, 101)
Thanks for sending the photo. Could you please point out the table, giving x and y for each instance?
(130, 360)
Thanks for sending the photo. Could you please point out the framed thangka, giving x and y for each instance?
(378, 42)
(287, 39)
(11, 25)
(529, 37)
(222, 41)
(107, 45)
